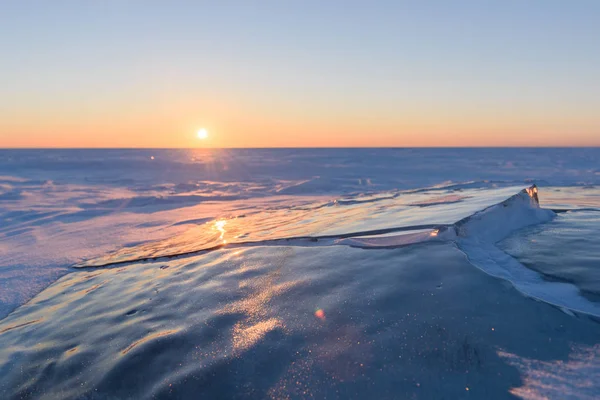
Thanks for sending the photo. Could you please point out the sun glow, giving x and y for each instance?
(202, 134)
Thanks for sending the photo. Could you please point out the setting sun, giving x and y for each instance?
(202, 134)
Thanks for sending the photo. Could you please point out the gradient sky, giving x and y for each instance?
(119, 73)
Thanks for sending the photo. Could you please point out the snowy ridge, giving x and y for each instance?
(489, 225)
(478, 234)
(498, 221)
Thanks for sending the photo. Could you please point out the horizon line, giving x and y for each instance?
(305, 147)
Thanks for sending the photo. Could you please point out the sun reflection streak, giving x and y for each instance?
(246, 335)
(258, 293)
(220, 227)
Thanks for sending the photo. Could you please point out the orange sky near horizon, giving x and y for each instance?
(154, 118)
(184, 135)
(169, 116)
(160, 128)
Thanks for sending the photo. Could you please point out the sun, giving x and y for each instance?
(202, 134)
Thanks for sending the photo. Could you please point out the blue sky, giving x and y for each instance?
(387, 72)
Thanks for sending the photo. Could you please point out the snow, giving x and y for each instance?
(331, 272)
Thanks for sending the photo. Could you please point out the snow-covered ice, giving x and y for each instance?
(328, 272)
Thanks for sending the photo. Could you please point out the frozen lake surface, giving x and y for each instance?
(330, 273)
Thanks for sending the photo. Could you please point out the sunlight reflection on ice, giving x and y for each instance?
(255, 307)
(220, 226)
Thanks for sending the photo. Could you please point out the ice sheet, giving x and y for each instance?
(61, 207)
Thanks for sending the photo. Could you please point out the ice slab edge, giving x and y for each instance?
(477, 235)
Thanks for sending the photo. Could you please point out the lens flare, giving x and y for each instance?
(320, 314)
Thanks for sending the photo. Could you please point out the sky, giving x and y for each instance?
(146, 73)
